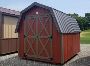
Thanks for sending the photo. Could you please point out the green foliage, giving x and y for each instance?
(83, 22)
(87, 15)
(73, 15)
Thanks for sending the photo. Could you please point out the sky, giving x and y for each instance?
(67, 6)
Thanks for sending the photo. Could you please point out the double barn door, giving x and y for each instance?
(38, 36)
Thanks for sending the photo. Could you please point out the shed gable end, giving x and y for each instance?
(63, 22)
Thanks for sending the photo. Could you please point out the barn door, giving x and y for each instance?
(38, 36)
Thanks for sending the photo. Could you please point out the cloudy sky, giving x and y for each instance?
(68, 6)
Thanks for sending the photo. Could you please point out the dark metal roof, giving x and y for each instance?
(35, 4)
(67, 24)
(64, 23)
(9, 11)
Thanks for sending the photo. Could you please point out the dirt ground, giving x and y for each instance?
(82, 59)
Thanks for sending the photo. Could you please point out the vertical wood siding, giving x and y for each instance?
(56, 45)
(9, 45)
(21, 39)
(71, 45)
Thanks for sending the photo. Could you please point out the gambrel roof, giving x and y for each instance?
(64, 23)
(67, 24)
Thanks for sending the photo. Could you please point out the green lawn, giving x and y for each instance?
(85, 37)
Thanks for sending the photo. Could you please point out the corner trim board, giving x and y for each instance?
(62, 48)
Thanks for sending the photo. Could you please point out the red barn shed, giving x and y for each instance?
(47, 34)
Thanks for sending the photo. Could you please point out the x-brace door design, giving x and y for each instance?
(38, 36)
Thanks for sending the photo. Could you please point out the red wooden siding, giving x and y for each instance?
(71, 44)
(56, 45)
(21, 43)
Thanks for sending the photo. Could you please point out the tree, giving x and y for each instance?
(82, 21)
(73, 15)
(87, 16)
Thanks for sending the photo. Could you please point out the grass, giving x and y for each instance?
(85, 37)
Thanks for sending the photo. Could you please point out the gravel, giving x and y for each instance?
(82, 59)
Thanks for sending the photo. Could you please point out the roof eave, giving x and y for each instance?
(35, 4)
(8, 14)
